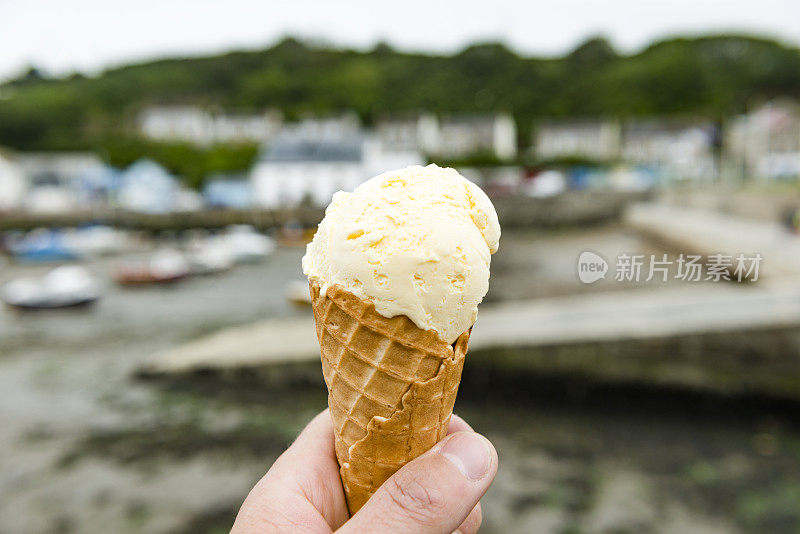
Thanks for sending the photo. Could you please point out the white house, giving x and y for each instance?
(54, 179)
(451, 137)
(13, 184)
(680, 149)
(346, 124)
(766, 142)
(175, 123)
(420, 132)
(232, 191)
(200, 126)
(461, 136)
(593, 139)
(146, 187)
(300, 167)
(95, 188)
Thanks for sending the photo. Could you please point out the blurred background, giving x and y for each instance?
(162, 166)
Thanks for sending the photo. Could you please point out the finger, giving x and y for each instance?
(316, 439)
(434, 493)
(472, 523)
(312, 453)
(457, 424)
(310, 466)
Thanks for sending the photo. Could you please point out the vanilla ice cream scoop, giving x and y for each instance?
(415, 241)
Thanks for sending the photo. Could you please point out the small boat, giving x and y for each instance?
(297, 293)
(41, 246)
(165, 267)
(209, 256)
(98, 240)
(247, 245)
(68, 286)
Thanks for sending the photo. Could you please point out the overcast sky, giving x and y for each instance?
(62, 36)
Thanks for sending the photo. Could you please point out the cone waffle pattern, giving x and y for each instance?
(391, 388)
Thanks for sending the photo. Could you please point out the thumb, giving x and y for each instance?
(434, 493)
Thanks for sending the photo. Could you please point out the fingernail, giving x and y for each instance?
(469, 452)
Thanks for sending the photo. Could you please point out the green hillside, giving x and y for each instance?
(713, 76)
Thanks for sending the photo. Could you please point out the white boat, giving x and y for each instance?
(99, 240)
(165, 266)
(247, 245)
(210, 256)
(64, 287)
(297, 292)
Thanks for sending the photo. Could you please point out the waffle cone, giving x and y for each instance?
(391, 388)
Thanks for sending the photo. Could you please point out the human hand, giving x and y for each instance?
(439, 492)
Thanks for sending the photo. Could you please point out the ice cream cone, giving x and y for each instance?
(391, 388)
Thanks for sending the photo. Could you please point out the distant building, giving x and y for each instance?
(679, 148)
(420, 132)
(199, 126)
(451, 137)
(345, 124)
(147, 187)
(766, 142)
(676, 148)
(589, 138)
(55, 179)
(13, 184)
(309, 167)
(96, 187)
(228, 191)
(466, 135)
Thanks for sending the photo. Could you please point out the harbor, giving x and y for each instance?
(188, 385)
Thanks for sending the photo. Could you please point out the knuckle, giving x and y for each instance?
(415, 500)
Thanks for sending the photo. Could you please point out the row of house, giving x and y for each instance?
(444, 137)
(200, 126)
(311, 160)
(48, 181)
(307, 161)
(58, 182)
(681, 148)
(302, 166)
(451, 137)
(762, 145)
